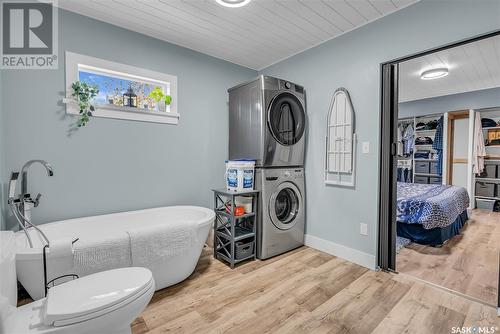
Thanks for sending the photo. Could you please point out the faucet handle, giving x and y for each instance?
(37, 200)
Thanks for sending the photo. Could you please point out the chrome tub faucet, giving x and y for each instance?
(22, 204)
(27, 202)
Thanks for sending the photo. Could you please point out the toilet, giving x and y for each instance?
(106, 302)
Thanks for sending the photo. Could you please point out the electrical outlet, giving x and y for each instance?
(365, 147)
(363, 229)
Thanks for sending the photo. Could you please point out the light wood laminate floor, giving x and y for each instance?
(467, 263)
(305, 291)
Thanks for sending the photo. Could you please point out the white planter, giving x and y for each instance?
(161, 106)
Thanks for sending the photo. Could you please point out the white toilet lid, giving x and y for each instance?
(93, 295)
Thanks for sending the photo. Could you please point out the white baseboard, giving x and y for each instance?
(350, 254)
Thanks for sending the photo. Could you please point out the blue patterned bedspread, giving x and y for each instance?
(430, 205)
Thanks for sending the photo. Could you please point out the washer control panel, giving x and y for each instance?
(298, 173)
(283, 174)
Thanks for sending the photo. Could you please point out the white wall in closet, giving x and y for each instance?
(460, 153)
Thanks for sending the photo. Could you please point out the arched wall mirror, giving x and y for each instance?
(340, 150)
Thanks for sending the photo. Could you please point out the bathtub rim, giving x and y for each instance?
(26, 253)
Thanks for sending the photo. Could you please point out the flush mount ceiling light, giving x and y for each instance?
(434, 73)
(233, 3)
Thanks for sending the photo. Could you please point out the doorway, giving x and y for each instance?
(445, 250)
(459, 155)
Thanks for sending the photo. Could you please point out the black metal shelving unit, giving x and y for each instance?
(230, 229)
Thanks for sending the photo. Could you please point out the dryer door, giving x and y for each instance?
(286, 119)
(284, 205)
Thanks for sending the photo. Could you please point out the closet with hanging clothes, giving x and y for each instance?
(420, 149)
(428, 149)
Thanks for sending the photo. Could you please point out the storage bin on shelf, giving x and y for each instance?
(490, 171)
(485, 204)
(486, 189)
(435, 180)
(433, 168)
(244, 248)
(422, 167)
(421, 179)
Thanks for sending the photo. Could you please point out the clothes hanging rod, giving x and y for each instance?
(430, 115)
(422, 116)
(490, 109)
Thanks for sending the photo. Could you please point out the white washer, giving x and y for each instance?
(281, 221)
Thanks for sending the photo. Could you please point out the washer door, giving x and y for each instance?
(286, 119)
(284, 206)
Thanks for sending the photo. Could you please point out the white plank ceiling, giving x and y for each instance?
(256, 35)
(473, 66)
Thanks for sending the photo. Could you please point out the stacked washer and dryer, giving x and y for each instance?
(267, 122)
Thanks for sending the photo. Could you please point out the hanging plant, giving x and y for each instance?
(84, 94)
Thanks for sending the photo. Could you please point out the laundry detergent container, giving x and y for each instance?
(240, 174)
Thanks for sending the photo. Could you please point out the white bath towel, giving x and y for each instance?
(153, 245)
(59, 259)
(92, 256)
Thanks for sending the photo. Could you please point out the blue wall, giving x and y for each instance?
(486, 98)
(353, 61)
(2, 158)
(117, 165)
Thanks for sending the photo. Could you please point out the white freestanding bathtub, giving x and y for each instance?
(29, 261)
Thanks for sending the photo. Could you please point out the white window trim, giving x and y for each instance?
(75, 61)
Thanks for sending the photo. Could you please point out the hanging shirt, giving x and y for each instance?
(400, 131)
(438, 145)
(408, 140)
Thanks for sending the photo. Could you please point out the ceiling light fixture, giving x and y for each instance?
(233, 3)
(434, 73)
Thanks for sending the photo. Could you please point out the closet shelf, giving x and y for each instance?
(492, 128)
(428, 174)
(485, 179)
(417, 159)
(429, 146)
(487, 197)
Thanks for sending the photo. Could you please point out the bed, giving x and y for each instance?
(430, 214)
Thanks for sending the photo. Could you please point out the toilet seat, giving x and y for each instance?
(94, 295)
